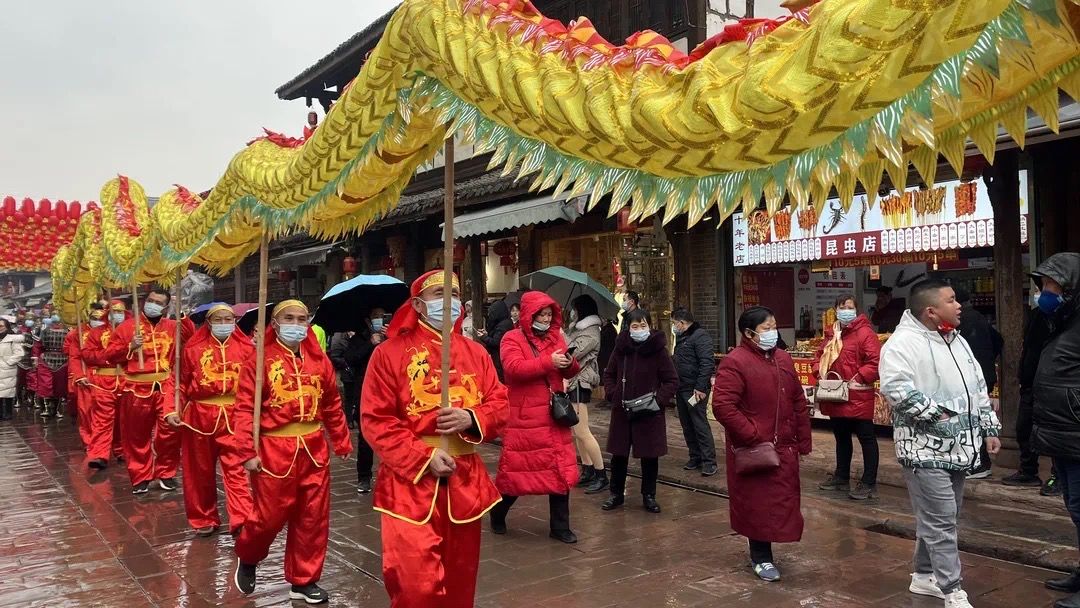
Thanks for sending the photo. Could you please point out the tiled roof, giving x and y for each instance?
(424, 203)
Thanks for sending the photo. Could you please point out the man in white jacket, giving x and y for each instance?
(941, 416)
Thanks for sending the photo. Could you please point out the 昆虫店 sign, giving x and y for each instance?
(950, 216)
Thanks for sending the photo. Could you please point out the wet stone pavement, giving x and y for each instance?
(72, 538)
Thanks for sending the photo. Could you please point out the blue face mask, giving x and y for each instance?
(639, 335)
(292, 334)
(541, 327)
(56, 318)
(116, 317)
(1050, 302)
(152, 310)
(377, 325)
(222, 331)
(436, 314)
(46, 321)
(29, 323)
(768, 339)
(678, 331)
(846, 315)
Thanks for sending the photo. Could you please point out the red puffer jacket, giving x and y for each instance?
(537, 455)
(858, 361)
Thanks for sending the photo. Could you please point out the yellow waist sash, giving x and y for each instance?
(217, 400)
(294, 429)
(106, 371)
(148, 378)
(456, 446)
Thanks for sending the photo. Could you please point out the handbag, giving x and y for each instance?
(761, 457)
(561, 407)
(832, 390)
(638, 407)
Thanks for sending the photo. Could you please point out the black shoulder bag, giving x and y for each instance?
(638, 407)
(562, 409)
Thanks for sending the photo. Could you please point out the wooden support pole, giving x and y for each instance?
(135, 315)
(448, 274)
(178, 341)
(260, 338)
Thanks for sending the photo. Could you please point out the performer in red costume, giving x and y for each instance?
(290, 470)
(431, 497)
(105, 383)
(209, 375)
(151, 446)
(78, 371)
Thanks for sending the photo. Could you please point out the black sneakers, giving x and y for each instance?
(310, 593)
(167, 483)
(244, 578)
(363, 486)
(98, 463)
(564, 536)
(141, 488)
(1022, 480)
(599, 482)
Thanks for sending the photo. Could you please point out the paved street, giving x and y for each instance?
(74, 539)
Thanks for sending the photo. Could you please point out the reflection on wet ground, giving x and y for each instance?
(75, 538)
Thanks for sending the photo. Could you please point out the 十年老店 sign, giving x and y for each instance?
(949, 216)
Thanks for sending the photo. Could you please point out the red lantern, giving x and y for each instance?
(349, 265)
(27, 209)
(285, 276)
(9, 206)
(44, 207)
(459, 253)
(91, 206)
(61, 211)
(74, 210)
(625, 225)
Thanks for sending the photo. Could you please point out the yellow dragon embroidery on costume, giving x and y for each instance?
(105, 337)
(425, 389)
(282, 389)
(159, 343)
(225, 373)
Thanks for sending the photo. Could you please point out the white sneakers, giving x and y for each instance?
(926, 584)
(957, 599)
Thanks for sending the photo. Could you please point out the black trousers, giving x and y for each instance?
(843, 428)
(1029, 460)
(558, 509)
(696, 431)
(365, 456)
(760, 552)
(650, 471)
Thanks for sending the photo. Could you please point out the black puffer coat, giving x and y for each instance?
(1056, 393)
(694, 360)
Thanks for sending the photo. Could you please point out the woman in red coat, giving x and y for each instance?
(851, 349)
(758, 399)
(640, 365)
(538, 455)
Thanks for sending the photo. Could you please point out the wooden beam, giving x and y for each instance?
(1002, 180)
(479, 285)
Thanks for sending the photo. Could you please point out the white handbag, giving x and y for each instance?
(832, 390)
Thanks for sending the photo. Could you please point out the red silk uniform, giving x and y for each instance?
(77, 371)
(151, 446)
(105, 390)
(209, 376)
(299, 397)
(430, 530)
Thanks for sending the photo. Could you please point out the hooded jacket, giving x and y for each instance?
(498, 323)
(585, 338)
(538, 455)
(1056, 430)
(694, 360)
(941, 410)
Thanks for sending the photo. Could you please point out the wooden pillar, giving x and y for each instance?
(679, 237)
(726, 337)
(527, 261)
(238, 284)
(1003, 184)
(479, 285)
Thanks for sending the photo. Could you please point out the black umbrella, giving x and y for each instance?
(250, 317)
(348, 304)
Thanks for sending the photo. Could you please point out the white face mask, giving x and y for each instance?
(222, 331)
(116, 317)
(95, 323)
(152, 310)
(768, 339)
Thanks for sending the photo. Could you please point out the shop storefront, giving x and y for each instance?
(799, 264)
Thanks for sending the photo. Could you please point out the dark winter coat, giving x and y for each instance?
(538, 456)
(350, 356)
(1056, 430)
(694, 360)
(646, 368)
(751, 387)
(985, 343)
(889, 317)
(1036, 333)
(858, 362)
(498, 323)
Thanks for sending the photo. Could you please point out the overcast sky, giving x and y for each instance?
(164, 92)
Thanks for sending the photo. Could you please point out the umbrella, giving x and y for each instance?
(564, 284)
(198, 316)
(248, 316)
(347, 304)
